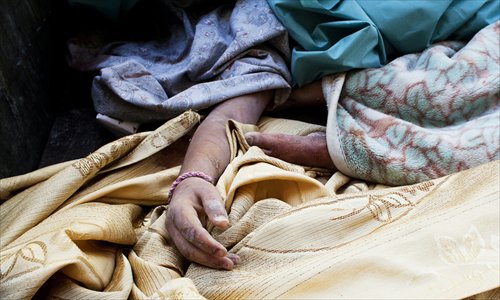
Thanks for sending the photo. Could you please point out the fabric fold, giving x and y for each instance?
(422, 116)
(105, 236)
(336, 36)
(208, 54)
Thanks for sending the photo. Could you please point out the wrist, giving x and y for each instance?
(185, 176)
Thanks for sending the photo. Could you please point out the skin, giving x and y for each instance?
(195, 200)
(309, 95)
(308, 150)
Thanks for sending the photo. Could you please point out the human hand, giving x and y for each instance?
(310, 150)
(193, 202)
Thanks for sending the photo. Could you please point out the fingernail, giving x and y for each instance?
(234, 258)
(221, 222)
(220, 253)
(221, 218)
(227, 265)
(249, 138)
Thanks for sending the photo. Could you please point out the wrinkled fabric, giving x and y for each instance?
(208, 55)
(94, 228)
(335, 36)
(420, 117)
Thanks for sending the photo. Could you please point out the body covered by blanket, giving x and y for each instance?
(208, 54)
(91, 228)
(422, 116)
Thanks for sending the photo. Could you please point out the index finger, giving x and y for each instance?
(189, 225)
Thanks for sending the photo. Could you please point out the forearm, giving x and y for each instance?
(209, 149)
(194, 200)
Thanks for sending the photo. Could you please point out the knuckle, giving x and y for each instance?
(257, 139)
(214, 206)
(189, 233)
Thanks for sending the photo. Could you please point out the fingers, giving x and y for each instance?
(193, 201)
(308, 150)
(186, 223)
(193, 253)
(213, 207)
(277, 143)
(260, 140)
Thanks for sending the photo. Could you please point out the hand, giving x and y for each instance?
(310, 150)
(194, 200)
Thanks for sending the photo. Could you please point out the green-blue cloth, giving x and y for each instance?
(112, 9)
(335, 36)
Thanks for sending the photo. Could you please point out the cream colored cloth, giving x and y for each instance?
(94, 228)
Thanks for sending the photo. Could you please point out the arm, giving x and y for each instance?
(311, 150)
(194, 200)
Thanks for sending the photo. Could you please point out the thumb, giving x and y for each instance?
(215, 210)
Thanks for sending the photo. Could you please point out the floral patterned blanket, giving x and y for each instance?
(422, 116)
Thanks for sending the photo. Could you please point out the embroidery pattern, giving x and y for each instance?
(380, 206)
(465, 251)
(97, 160)
(32, 255)
(385, 208)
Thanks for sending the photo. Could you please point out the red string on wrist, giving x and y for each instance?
(186, 176)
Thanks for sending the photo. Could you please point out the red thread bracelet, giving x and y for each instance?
(186, 176)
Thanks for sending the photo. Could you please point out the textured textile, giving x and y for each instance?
(335, 36)
(92, 228)
(206, 56)
(420, 117)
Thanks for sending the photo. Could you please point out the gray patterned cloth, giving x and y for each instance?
(204, 59)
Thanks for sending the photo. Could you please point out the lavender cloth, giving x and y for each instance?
(232, 50)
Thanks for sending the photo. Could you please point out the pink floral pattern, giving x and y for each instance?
(423, 115)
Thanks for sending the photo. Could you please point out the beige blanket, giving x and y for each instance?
(94, 228)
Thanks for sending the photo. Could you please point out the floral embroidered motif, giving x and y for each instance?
(381, 206)
(33, 256)
(97, 160)
(467, 250)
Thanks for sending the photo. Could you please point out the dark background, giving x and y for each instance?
(46, 111)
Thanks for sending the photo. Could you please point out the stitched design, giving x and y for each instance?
(381, 206)
(385, 208)
(467, 250)
(97, 160)
(32, 256)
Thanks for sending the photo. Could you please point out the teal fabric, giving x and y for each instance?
(112, 9)
(335, 36)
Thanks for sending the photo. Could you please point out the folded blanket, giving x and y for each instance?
(94, 228)
(422, 116)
